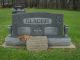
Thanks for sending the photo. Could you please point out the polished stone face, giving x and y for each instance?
(37, 21)
(38, 24)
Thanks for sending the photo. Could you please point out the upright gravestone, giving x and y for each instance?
(38, 24)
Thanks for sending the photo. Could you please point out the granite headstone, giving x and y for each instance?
(37, 24)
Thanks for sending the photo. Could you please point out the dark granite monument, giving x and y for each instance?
(37, 24)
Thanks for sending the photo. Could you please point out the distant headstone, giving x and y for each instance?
(19, 3)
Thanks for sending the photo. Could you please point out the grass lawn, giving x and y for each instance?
(71, 18)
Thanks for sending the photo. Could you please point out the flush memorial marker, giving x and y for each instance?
(38, 25)
(37, 43)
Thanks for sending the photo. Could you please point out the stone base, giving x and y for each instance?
(51, 47)
(11, 41)
(65, 41)
(70, 46)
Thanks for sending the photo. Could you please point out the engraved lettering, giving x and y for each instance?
(37, 21)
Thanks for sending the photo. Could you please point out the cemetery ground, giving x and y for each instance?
(71, 18)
